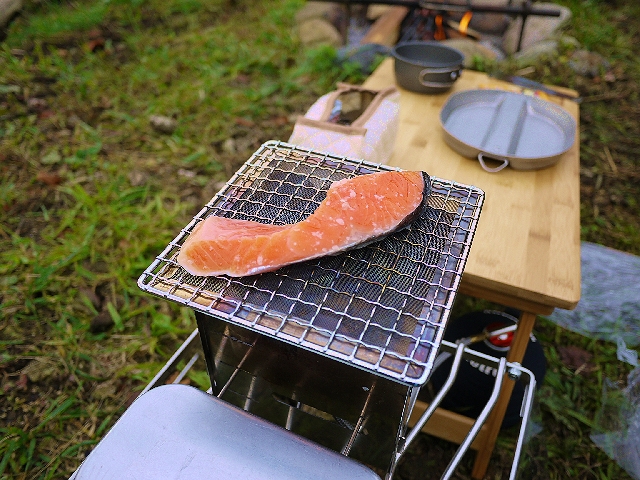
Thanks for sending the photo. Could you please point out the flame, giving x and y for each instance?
(464, 22)
(439, 34)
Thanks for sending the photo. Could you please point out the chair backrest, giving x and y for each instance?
(179, 432)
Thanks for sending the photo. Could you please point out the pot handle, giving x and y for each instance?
(504, 163)
(453, 74)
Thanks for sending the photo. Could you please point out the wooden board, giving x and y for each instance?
(526, 252)
(386, 29)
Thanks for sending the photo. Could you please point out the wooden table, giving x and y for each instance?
(526, 251)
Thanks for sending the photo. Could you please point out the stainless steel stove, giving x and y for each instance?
(337, 348)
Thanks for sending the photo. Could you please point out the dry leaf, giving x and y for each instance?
(576, 358)
(49, 178)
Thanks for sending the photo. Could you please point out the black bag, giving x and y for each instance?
(474, 382)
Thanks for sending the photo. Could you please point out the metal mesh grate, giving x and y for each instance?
(382, 307)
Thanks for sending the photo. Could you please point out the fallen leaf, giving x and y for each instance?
(39, 369)
(244, 122)
(46, 114)
(22, 382)
(280, 120)
(101, 322)
(576, 358)
(229, 145)
(35, 104)
(138, 178)
(105, 390)
(95, 33)
(243, 79)
(93, 45)
(49, 178)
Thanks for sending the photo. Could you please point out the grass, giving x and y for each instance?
(90, 193)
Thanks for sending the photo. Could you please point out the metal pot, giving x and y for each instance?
(427, 67)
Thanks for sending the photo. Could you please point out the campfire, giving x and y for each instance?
(504, 29)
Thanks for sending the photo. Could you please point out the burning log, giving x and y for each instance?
(524, 10)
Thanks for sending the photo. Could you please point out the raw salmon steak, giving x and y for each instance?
(355, 212)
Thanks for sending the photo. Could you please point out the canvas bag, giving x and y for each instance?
(351, 121)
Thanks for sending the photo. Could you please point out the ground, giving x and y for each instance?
(90, 192)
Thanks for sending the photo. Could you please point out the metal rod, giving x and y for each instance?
(525, 413)
(473, 339)
(289, 422)
(434, 404)
(235, 372)
(162, 375)
(347, 448)
(452, 7)
(249, 400)
(187, 367)
(464, 446)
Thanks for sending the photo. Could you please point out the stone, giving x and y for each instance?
(9, 9)
(529, 55)
(536, 29)
(567, 41)
(588, 64)
(316, 32)
(315, 10)
(163, 124)
(471, 49)
(334, 13)
(492, 23)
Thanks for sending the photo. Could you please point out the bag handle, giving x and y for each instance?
(341, 88)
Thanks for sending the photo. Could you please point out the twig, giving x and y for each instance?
(604, 96)
(609, 157)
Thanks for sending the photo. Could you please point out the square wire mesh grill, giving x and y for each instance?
(382, 307)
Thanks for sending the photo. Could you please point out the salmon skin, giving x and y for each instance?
(355, 212)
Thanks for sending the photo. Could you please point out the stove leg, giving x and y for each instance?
(516, 354)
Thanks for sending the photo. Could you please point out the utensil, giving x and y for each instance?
(532, 84)
(521, 131)
(426, 67)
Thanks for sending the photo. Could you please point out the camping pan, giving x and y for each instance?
(517, 130)
(426, 67)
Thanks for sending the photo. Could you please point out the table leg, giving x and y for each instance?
(516, 354)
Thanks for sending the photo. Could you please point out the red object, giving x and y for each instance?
(500, 341)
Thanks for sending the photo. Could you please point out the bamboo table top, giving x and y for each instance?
(526, 251)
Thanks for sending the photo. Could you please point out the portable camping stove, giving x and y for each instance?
(335, 349)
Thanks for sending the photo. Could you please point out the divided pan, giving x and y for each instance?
(521, 131)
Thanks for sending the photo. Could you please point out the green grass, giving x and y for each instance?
(90, 193)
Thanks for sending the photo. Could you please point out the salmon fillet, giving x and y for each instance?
(355, 212)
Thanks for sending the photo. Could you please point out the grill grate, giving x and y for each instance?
(382, 307)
